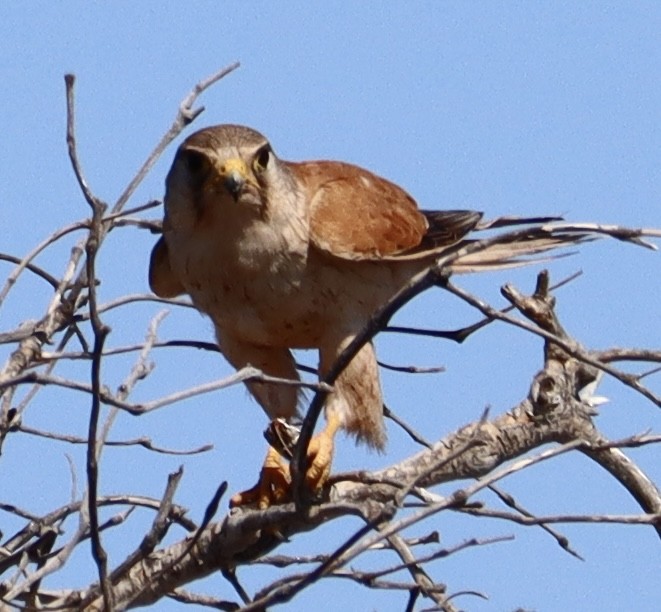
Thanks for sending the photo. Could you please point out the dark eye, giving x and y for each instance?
(262, 158)
(196, 162)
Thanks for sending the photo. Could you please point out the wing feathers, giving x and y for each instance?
(355, 214)
(520, 251)
(162, 280)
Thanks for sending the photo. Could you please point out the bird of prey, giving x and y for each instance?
(284, 255)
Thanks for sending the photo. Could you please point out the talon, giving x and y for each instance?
(320, 455)
(274, 484)
(271, 488)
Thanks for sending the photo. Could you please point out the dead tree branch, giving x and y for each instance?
(556, 416)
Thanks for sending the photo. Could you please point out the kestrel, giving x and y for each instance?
(284, 255)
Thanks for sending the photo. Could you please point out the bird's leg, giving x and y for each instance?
(273, 486)
(320, 454)
(278, 401)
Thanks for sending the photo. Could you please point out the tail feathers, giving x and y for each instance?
(519, 247)
(519, 251)
(510, 220)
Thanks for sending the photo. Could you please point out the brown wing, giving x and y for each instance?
(162, 280)
(355, 214)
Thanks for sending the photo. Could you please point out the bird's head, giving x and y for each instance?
(222, 170)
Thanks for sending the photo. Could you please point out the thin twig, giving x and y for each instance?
(185, 116)
(101, 331)
(571, 347)
(247, 374)
(24, 263)
(509, 500)
(461, 334)
(414, 435)
(144, 442)
(415, 286)
(51, 280)
(621, 519)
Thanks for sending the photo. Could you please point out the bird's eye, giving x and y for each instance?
(262, 158)
(196, 162)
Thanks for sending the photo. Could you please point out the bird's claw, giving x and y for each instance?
(274, 484)
(319, 459)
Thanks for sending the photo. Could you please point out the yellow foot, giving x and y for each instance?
(273, 486)
(319, 460)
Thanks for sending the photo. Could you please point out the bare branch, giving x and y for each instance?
(51, 280)
(145, 442)
(555, 417)
(570, 347)
(245, 374)
(100, 333)
(508, 500)
(26, 262)
(185, 116)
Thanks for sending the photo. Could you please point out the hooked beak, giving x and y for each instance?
(234, 174)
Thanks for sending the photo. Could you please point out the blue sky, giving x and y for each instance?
(511, 108)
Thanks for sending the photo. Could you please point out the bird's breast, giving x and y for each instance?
(256, 286)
